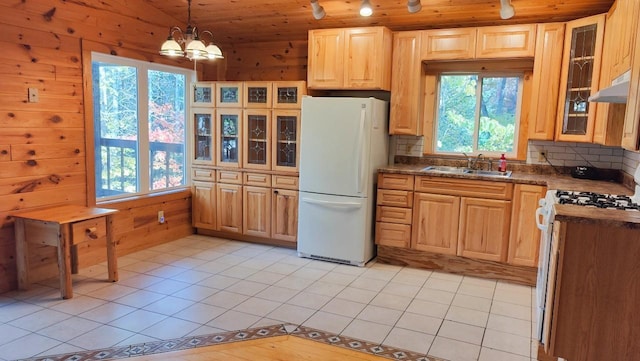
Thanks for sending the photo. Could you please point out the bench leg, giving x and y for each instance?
(112, 260)
(22, 252)
(64, 260)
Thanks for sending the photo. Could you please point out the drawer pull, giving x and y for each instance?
(91, 232)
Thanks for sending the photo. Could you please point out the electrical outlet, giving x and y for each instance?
(33, 95)
(542, 156)
(161, 217)
(409, 148)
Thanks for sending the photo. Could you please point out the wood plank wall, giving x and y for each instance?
(42, 145)
(275, 60)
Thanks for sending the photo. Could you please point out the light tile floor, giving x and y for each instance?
(200, 285)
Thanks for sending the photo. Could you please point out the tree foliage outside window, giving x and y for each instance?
(139, 116)
(477, 113)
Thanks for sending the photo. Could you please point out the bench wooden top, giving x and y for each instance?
(65, 214)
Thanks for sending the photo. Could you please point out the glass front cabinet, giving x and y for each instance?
(229, 94)
(257, 136)
(288, 94)
(229, 129)
(257, 95)
(580, 78)
(204, 130)
(286, 136)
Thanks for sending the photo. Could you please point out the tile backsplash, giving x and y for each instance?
(558, 153)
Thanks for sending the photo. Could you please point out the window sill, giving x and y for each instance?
(152, 198)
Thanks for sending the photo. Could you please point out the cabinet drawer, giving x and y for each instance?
(394, 198)
(462, 187)
(203, 174)
(229, 176)
(89, 229)
(393, 215)
(395, 181)
(256, 179)
(393, 234)
(283, 181)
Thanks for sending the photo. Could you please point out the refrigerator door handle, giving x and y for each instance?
(360, 165)
(340, 205)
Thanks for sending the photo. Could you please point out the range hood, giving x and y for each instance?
(616, 93)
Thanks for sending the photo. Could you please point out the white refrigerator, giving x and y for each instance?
(343, 142)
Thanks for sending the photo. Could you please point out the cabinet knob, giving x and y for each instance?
(91, 232)
(275, 191)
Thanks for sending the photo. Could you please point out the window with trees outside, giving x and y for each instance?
(140, 111)
(478, 113)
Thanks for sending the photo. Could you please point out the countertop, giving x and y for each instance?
(564, 213)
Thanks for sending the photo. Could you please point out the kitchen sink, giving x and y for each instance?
(490, 173)
(463, 170)
(445, 169)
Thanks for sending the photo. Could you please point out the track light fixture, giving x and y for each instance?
(413, 6)
(365, 8)
(318, 10)
(506, 9)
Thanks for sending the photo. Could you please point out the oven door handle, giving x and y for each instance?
(540, 219)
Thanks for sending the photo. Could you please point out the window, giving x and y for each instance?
(478, 113)
(140, 113)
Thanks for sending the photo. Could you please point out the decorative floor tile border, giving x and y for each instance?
(189, 342)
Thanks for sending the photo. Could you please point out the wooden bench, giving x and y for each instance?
(63, 227)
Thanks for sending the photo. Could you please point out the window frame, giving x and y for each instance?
(521, 75)
(144, 162)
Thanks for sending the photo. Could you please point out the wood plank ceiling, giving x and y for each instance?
(245, 21)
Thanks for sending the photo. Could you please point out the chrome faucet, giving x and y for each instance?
(472, 163)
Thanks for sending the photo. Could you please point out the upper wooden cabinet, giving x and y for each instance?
(546, 81)
(448, 44)
(491, 42)
(257, 94)
(406, 113)
(624, 17)
(580, 78)
(508, 41)
(288, 94)
(632, 115)
(350, 58)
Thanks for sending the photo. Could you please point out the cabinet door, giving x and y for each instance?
(286, 138)
(284, 215)
(546, 81)
(257, 137)
(524, 237)
(626, 15)
(326, 59)
(229, 207)
(204, 130)
(508, 41)
(203, 94)
(405, 114)
(257, 94)
(203, 201)
(228, 131)
(579, 79)
(229, 94)
(435, 223)
(288, 94)
(632, 115)
(484, 229)
(448, 44)
(256, 211)
(367, 58)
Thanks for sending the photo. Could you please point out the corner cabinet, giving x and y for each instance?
(579, 79)
(350, 58)
(406, 113)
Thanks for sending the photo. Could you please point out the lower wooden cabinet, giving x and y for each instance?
(256, 211)
(284, 215)
(203, 202)
(524, 237)
(229, 207)
(484, 228)
(435, 223)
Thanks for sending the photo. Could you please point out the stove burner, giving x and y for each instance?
(598, 200)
